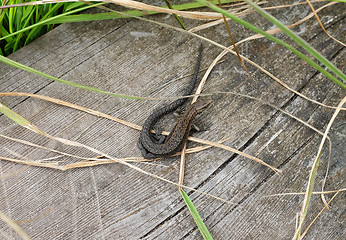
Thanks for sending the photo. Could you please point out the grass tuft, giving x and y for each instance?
(15, 30)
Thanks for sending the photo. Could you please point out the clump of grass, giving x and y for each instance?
(17, 18)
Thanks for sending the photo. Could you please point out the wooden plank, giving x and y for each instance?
(136, 58)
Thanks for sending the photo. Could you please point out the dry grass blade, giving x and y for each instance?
(313, 221)
(239, 11)
(36, 217)
(13, 173)
(71, 105)
(281, 110)
(232, 41)
(200, 148)
(319, 21)
(146, 7)
(248, 11)
(302, 193)
(235, 151)
(33, 163)
(14, 226)
(182, 157)
(313, 172)
(45, 148)
(326, 175)
(182, 166)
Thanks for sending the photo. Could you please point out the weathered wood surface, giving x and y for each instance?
(135, 58)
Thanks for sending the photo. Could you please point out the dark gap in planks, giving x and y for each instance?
(159, 225)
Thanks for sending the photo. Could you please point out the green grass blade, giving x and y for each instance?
(2, 14)
(35, 32)
(29, 13)
(308, 194)
(270, 37)
(29, 69)
(37, 13)
(18, 17)
(96, 17)
(5, 33)
(175, 15)
(14, 116)
(73, 5)
(19, 119)
(298, 40)
(200, 224)
(10, 19)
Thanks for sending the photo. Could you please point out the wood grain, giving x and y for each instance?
(136, 58)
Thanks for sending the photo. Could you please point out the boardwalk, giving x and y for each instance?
(113, 201)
